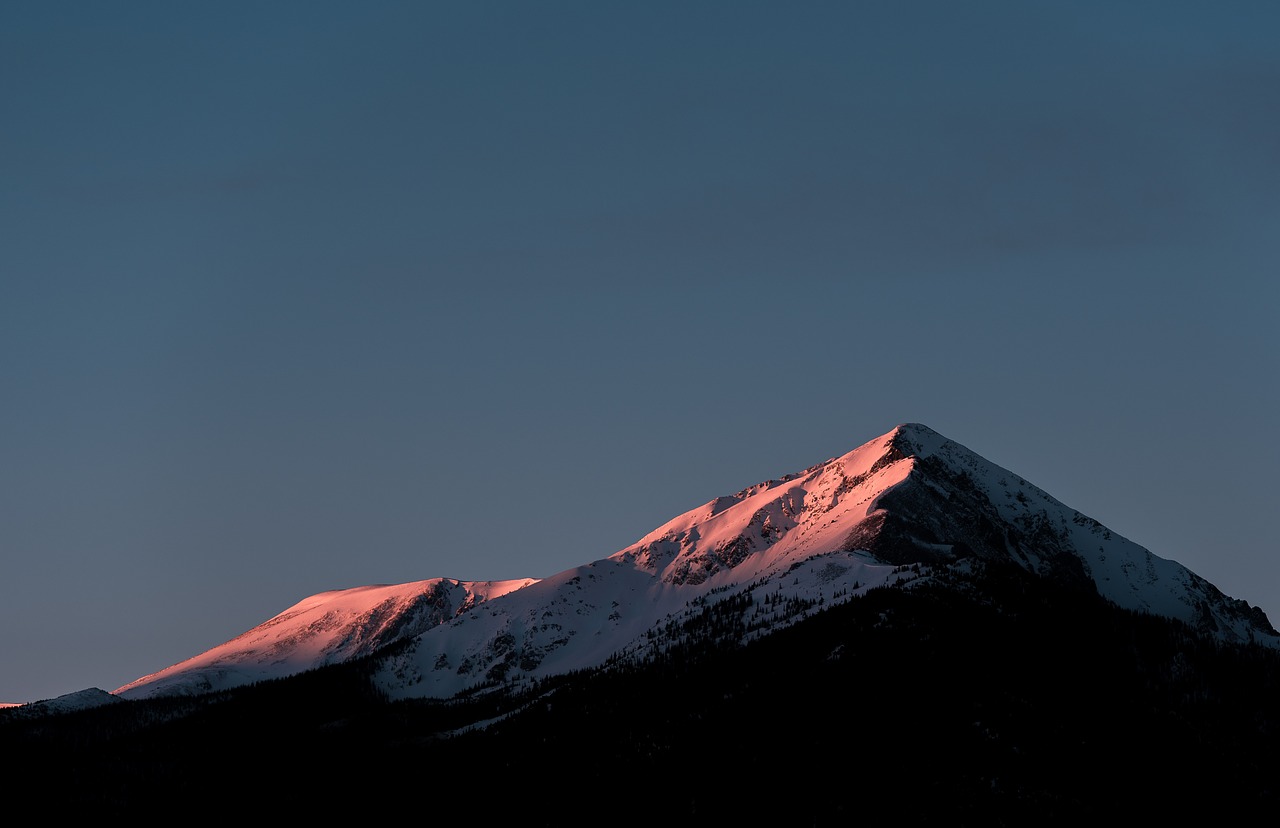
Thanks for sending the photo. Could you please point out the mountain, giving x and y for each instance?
(905, 634)
(80, 700)
(910, 505)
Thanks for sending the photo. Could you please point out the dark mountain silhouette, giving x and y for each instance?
(987, 678)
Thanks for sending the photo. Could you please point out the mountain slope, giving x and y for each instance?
(980, 695)
(327, 628)
(905, 506)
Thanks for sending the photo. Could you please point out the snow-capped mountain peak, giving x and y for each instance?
(891, 510)
(789, 518)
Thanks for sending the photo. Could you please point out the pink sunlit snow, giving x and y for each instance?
(809, 538)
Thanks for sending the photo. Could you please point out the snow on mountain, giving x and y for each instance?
(327, 628)
(67, 703)
(889, 511)
(979, 508)
(795, 543)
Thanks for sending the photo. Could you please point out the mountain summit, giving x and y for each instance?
(908, 506)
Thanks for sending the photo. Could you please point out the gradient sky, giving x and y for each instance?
(306, 296)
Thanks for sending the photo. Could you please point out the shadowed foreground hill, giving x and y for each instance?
(991, 697)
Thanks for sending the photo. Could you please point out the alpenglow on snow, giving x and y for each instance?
(893, 509)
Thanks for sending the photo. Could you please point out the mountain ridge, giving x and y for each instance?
(781, 547)
(328, 627)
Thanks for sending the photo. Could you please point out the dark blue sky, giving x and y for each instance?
(305, 296)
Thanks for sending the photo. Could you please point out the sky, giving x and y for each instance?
(307, 296)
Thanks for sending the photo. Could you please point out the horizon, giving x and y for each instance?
(309, 301)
